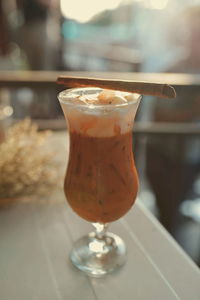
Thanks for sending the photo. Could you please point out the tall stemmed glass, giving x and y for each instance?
(101, 181)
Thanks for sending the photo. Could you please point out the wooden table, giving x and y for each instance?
(35, 240)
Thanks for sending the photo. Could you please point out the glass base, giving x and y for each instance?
(98, 256)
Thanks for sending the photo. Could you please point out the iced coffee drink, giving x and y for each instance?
(101, 181)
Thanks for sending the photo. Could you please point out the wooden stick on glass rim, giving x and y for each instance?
(140, 87)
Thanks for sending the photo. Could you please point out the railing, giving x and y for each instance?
(47, 80)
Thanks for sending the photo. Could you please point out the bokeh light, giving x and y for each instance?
(83, 11)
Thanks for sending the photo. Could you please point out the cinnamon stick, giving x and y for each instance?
(140, 87)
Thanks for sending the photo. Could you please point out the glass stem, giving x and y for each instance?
(100, 230)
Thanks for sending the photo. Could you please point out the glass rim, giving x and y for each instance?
(65, 98)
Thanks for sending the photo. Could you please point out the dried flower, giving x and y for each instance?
(26, 166)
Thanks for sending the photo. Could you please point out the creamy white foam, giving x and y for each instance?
(102, 114)
(105, 97)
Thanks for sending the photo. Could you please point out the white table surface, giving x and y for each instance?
(35, 241)
(37, 236)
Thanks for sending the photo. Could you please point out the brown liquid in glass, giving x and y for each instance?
(101, 182)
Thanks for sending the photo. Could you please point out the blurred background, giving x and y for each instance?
(156, 40)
